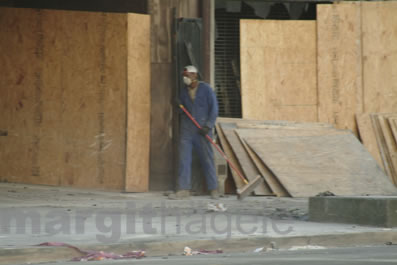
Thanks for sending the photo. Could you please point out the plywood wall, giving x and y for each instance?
(139, 103)
(63, 98)
(339, 64)
(356, 66)
(278, 70)
(17, 105)
(357, 60)
(379, 34)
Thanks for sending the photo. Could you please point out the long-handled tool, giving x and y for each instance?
(249, 186)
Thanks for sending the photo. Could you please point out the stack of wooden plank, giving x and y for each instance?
(301, 159)
(378, 133)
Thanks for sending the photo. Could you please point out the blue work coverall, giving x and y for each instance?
(204, 109)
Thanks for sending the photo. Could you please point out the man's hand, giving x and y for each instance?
(204, 130)
(177, 103)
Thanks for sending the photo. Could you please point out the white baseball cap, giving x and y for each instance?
(190, 69)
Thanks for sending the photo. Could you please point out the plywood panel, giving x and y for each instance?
(307, 165)
(278, 70)
(368, 137)
(92, 82)
(51, 105)
(18, 92)
(380, 139)
(393, 125)
(269, 124)
(80, 90)
(248, 168)
(259, 133)
(390, 144)
(270, 179)
(138, 133)
(275, 184)
(380, 56)
(64, 99)
(286, 126)
(339, 64)
(231, 156)
(115, 87)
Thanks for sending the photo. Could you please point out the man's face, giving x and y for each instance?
(192, 76)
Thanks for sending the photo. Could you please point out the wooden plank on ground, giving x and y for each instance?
(380, 139)
(252, 123)
(247, 166)
(286, 126)
(278, 70)
(368, 137)
(393, 125)
(270, 179)
(391, 145)
(339, 64)
(259, 133)
(379, 23)
(231, 156)
(307, 165)
(138, 112)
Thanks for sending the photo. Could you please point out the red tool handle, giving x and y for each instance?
(214, 144)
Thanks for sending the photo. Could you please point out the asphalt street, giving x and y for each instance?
(336, 256)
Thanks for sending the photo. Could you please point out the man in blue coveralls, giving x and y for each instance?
(200, 100)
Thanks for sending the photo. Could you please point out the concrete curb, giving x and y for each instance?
(162, 248)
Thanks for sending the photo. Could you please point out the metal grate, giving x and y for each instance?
(227, 61)
(227, 50)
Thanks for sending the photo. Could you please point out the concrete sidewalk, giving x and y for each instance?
(121, 222)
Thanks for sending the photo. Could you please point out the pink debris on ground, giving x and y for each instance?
(92, 255)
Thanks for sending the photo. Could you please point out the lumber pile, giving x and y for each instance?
(300, 159)
(378, 133)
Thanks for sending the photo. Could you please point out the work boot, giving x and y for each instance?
(214, 194)
(180, 194)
